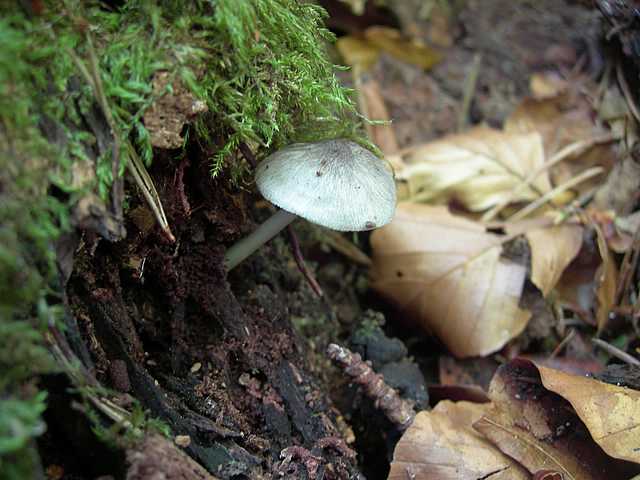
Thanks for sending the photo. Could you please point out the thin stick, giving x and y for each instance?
(533, 206)
(469, 90)
(398, 410)
(616, 352)
(302, 266)
(563, 343)
(555, 159)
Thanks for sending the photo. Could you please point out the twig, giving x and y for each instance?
(533, 206)
(399, 411)
(559, 156)
(297, 255)
(616, 352)
(469, 90)
(340, 244)
(563, 343)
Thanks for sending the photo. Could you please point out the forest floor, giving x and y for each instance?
(236, 365)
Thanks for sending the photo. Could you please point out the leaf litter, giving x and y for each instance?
(558, 185)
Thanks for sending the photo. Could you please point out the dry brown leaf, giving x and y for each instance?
(539, 429)
(552, 250)
(606, 282)
(364, 51)
(554, 119)
(563, 120)
(441, 445)
(479, 168)
(447, 273)
(611, 413)
(357, 52)
(408, 50)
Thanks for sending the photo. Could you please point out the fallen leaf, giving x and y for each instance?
(447, 273)
(363, 51)
(408, 50)
(479, 168)
(357, 52)
(606, 281)
(576, 288)
(565, 121)
(539, 429)
(611, 413)
(441, 445)
(552, 250)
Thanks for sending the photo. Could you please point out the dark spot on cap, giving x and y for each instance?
(370, 224)
(399, 274)
(318, 173)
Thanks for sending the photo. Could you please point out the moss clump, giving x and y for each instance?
(29, 220)
(260, 67)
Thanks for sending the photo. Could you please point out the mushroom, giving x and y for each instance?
(335, 183)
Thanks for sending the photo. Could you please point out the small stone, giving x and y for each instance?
(195, 367)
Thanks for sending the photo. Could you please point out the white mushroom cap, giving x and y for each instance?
(334, 183)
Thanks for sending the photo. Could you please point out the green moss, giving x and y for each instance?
(259, 65)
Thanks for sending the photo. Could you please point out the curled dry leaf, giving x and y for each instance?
(540, 430)
(479, 169)
(442, 445)
(611, 413)
(552, 250)
(447, 273)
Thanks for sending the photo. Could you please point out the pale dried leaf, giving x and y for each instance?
(479, 168)
(441, 444)
(611, 413)
(447, 273)
(552, 250)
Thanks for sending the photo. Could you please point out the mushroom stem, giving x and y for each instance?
(265, 232)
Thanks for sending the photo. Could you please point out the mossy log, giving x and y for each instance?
(121, 131)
